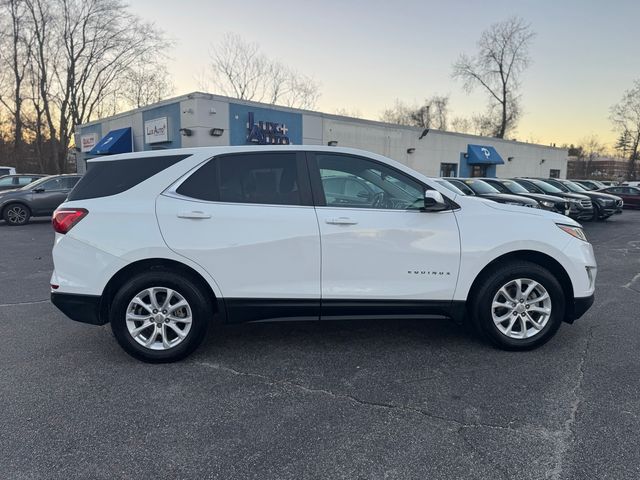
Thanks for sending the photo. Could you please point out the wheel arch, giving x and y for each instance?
(539, 258)
(157, 264)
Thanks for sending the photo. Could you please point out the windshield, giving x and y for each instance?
(35, 184)
(514, 187)
(450, 186)
(461, 186)
(574, 187)
(545, 187)
(480, 187)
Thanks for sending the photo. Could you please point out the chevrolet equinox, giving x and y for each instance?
(161, 243)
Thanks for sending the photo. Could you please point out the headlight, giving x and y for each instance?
(548, 204)
(576, 232)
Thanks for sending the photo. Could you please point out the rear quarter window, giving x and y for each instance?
(107, 178)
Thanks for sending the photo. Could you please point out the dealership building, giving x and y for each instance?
(201, 119)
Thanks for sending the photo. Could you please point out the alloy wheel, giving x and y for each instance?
(16, 215)
(521, 308)
(159, 318)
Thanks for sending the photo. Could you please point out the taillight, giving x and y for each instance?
(64, 219)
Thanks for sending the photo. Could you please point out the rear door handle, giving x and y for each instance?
(194, 215)
(341, 221)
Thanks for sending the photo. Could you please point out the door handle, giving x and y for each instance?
(196, 215)
(341, 221)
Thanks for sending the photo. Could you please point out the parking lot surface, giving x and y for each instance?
(352, 400)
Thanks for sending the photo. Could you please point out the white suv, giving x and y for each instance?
(161, 243)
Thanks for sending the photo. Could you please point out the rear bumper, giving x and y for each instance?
(579, 307)
(81, 308)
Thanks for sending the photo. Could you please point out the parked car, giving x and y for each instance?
(630, 195)
(176, 237)
(604, 205)
(7, 171)
(39, 198)
(590, 184)
(484, 190)
(547, 202)
(11, 182)
(581, 207)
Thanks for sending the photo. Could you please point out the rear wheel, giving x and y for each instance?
(16, 214)
(160, 316)
(519, 306)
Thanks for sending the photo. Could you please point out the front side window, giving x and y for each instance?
(360, 183)
(6, 181)
(53, 185)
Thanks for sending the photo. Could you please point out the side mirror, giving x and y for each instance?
(434, 201)
(38, 190)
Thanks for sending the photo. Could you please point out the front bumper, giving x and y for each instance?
(81, 308)
(581, 213)
(578, 308)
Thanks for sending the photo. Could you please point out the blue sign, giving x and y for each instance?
(116, 141)
(483, 154)
(263, 126)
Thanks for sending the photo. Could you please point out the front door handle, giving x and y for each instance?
(341, 221)
(197, 215)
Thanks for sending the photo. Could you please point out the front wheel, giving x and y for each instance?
(519, 306)
(160, 317)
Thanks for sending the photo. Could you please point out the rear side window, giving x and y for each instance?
(265, 178)
(269, 178)
(116, 176)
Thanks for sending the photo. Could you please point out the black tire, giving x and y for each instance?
(16, 214)
(199, 303)
(596, 213)
(488, 287)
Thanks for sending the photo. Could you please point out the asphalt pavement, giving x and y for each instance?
(334, 400)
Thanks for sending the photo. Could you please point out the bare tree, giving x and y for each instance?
(145, 84)
(503, 54)
(461, 125)
(432, 114)
(83, 52)
(239, 69)
(625, 116)
(15, 54)
(587, 151)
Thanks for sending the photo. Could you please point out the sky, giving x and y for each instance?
(366, 54)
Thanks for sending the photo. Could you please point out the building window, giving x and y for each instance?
(479, 171)
(554, 173)
(448, 169)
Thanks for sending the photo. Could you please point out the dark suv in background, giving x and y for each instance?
(580, 206)
(547, 202)
(39, 198)
(475, 186)
(604, 205)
